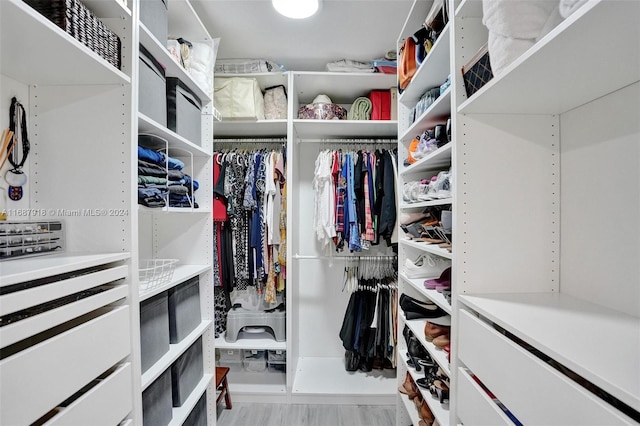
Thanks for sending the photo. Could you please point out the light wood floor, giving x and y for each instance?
(245, 414)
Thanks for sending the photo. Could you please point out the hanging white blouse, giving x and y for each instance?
(269, 193)
(324, 211)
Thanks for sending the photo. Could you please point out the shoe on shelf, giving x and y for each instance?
(408, 387)
(443, 280)
(416, 309)
(431, 331)
(426, 265)
(442, 341)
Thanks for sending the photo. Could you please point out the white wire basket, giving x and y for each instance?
(153, 273)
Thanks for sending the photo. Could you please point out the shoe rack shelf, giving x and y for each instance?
(434, 162)
(423, 204)
(440, 411)
(433, 72)
(435, 296)
(437, 354)
(427, 247)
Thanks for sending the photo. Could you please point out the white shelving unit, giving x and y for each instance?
(68, 317)
(316, 356)
(246, 385)
(540, 121)
(440, 411)
(185, 234)
(432, 73)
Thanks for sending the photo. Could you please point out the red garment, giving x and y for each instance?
(219, 204)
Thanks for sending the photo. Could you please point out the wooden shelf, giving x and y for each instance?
(33, 268)
(559, 72)
(563, 327)
(61, 60)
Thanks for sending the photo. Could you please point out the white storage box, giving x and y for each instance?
(238, 98)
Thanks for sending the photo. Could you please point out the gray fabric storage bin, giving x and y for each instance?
(184, 309)
(152, 91)
(186, 373)
(184, 111)
(154, 329)
(154, 14)
(198, 416)
(157, 407)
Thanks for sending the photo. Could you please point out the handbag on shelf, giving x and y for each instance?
(275, 103)
(407, 65)
(477, 72)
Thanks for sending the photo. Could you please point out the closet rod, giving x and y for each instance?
(350, 141)
(377, 257)
(251, 140)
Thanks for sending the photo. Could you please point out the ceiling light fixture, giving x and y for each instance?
(296, 9)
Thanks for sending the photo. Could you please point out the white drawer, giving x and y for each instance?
(18, 300)
(532, 390)
(33, 325)
(106, 404)
(36, 379)
(475, 407)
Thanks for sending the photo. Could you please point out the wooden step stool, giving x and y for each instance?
(223, 386)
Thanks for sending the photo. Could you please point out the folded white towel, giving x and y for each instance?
(517, 18)
(567, 7)
(504, 50)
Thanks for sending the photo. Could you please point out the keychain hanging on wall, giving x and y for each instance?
(19, 148)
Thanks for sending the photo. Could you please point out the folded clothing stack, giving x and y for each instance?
(159, 175)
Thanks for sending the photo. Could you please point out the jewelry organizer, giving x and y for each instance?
(30, 238)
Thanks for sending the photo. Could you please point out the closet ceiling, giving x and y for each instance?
(343, 29)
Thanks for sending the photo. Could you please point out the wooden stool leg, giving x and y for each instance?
(227, 397)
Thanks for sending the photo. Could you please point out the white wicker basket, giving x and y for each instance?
(155, 272)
